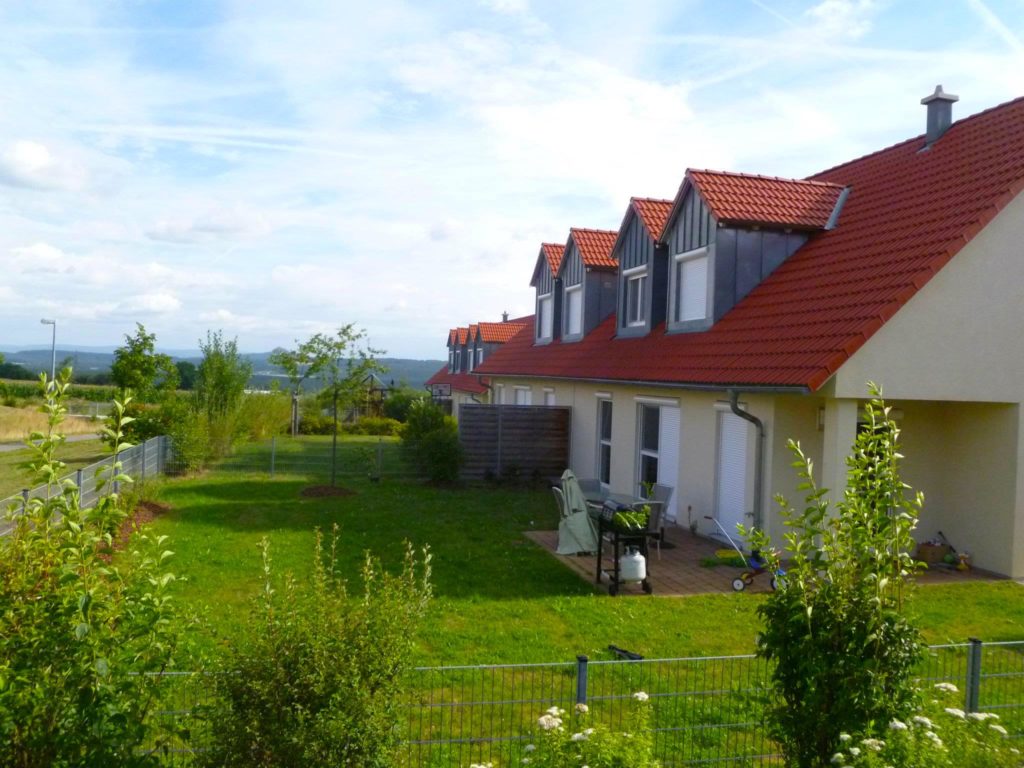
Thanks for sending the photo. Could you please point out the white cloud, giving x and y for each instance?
(159, 302)
(34, 165)
(212, 224)
(850, 19)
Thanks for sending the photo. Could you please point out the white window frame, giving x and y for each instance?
(458, 361)
(545, 316)
(526, 393)
(677, 285)
(479, 355)
(641, 451)
(549, 396)
(636, 316)
(571, 293)
(603, 441)
(499, 394)
(451, 361)
(472, 359)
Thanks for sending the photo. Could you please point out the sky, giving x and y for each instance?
(277, 169)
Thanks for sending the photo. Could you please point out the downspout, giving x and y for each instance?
(734, 406)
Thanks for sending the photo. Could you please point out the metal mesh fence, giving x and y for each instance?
(705, 711)
(316, 457)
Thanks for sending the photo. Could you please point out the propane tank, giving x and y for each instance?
(632, 566)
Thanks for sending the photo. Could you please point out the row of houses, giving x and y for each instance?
(709, 329)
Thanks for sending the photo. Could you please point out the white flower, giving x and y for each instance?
(582, 709)
(641, 696)
(875, 745)
(897, 725)
(837, 758)
(588, 731)
(854, 751)
(529, 748)
(555, 711)
(955, 712)
(935, 739)
(947, 687)
(549, 722)
(998, 729)
(526, 761)
(976, 716)
(921, 720)
(579, 737)
(844, 737)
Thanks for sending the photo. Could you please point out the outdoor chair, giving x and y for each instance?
(659, 498)
(560, 501)
(576, 533)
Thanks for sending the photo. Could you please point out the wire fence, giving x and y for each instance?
(153, 457)
(705, 711)
(319, 457)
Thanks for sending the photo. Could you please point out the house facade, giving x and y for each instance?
(760, 307)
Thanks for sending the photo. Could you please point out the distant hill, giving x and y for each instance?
(412, 372)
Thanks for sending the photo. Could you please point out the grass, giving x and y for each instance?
(75, 455)
(17, 423)
(499, 598)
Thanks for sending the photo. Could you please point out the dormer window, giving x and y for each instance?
(479, 355)
(636, 289)
(691, 277)
(471, 359)
(574, 310)
(451, 361)
(545, 317)
(458, 360)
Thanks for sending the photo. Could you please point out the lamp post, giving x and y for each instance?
(53, 348)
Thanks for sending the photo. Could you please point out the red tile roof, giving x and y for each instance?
(739, 198)
(499, 333)
(653, 213)
(908, 213)
(452, 335)
(471, 333)
(595, 247)
(553, 253)
(461, 335)
(462, 382)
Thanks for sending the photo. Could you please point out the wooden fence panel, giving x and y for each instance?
(514, 440)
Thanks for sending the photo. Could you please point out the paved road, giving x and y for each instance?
(8, 447)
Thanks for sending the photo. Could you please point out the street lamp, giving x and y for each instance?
(53, 348)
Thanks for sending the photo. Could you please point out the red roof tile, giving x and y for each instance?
(499, 333)
(461, 335)
(740, 198)
(553, 253)
(653, 213)
(462, 382)
(908, 213)
(595, 247)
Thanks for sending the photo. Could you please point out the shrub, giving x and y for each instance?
(430, 442)
(262, 415)
(80, 635)
(187, 429)
(843, 653)
(398, 402)
(315, 423)
(316, 678)
(372, 425)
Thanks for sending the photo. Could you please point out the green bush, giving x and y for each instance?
(187, 429)
(398, 402)
(314, 423)
(316, 679)
(261, 416)
(844, 654)
(82, 637)
(372, 425)
(430, 442)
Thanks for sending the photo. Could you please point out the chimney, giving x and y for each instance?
(940, 114)
(504, 317)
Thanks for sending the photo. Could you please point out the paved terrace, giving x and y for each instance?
(678, 572)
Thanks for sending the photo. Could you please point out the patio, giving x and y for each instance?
(679, 571)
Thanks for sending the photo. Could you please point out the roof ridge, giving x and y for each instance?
(591, 229)
(649, 200)
(740, 174)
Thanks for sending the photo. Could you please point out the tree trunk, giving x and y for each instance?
(334, 443)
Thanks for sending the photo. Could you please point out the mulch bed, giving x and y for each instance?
(325, 491)
(144, 512)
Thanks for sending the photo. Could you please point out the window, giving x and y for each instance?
(574, 310)
(499, 394)
(636, 285)
(451, 361)
(472, 359)
(549, 396)
(458, 360)
(479, 355)
(691, 286)
(523, 396)
(604, 441)
(650, 423)
(544, 317)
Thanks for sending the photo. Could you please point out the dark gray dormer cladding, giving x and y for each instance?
(588, 295)
(548, 306)
(642, 279)
(711, 267)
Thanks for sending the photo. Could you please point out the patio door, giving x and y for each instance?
(658, 459)
(732, 502)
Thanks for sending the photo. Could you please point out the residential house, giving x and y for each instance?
(769, 303)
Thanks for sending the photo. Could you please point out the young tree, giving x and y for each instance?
(341, 361)
(140, 369)
(187, 373)
(221, 379)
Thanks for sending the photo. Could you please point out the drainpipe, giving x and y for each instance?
(734, 405)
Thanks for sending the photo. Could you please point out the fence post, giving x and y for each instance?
(581, 679)
(500, 468)
(24, 500)
(78, 482)
(973, 674)
(273, 453)
(142, 472)
(380, 457)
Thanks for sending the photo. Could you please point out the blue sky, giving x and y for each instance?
(277, 169)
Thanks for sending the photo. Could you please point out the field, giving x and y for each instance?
(17, 423)
(75, 455)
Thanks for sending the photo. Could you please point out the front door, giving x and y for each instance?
(732, 505)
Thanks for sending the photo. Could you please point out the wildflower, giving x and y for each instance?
(579, 737)
(555, 711)
(641, 696)
(582, 709)
(947, 687)
(588, 731)
(529, 748)
(921, 720)
(875, 745)
(955, 712)
(897, 725)
(837, 758)
(526, 761)
(844, 737)
(999, 729)
(1015, 750)
(855, 751)
(549, 722)
(934, 737)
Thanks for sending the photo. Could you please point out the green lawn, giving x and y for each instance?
(75, 455)
(499, 598)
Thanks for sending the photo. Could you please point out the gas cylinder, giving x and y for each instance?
(632, 566)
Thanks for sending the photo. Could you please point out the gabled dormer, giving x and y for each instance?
(727, 232)
(549, 293)
(469, 349)
(490, 336)
(643, 267)
(453, 334)
(459, 345)
(588, 275)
